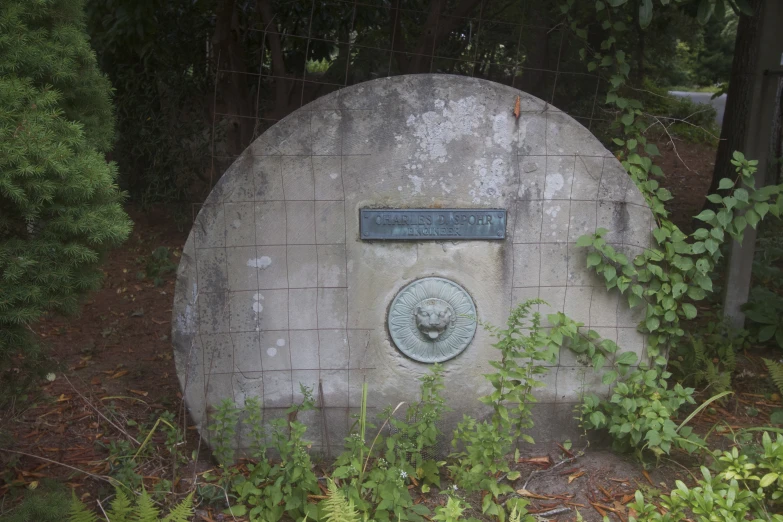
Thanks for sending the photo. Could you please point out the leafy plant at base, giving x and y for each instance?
(486, 444)
(126, 460)
(141, 510)
(60, 207)
(758, 468)
(639, 414)
(775, 373)
(712, 499)
(223, 431)
(376, 477)
(157, 265)
(337, 508)
(271, 489)
(709, 356)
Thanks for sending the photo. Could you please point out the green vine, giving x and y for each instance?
(667, 278)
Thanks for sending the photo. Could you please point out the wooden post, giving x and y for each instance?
(756, 146)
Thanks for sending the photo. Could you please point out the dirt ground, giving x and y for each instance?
(115, 371)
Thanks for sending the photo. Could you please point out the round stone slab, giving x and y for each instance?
(432, 320)
(276, 288)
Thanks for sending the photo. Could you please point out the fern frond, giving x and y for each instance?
(336, 507)
(182, 512)
(145, 509)
(775, 373)
(121, 508)
(729, 360)
(79, 512)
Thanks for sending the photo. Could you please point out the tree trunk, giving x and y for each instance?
(739, 98)
(533, 69)
(280, 108)
(232, 84)
(436, 29)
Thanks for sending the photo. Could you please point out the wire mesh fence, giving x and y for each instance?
(305, 49)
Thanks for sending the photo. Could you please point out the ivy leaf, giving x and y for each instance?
(631, 144)
(725, 183)
(715, 198)
(741, 194)
(678, 289)
(609, 377)
(663, 194)
(593, 259)
(653, 323)
(740, 223)
(696, 293)
(584, 241)
(762, 209)
(752, 218)
(652, 149)
(598, 361)
(627, 359)
(690, 310)
(610, 273)
(703, 281)
(725, 216)
(683, 263)
(706, 215)
(618, 141)
(627, 119)
(701, 234)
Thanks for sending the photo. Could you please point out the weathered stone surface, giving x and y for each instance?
(275, 288)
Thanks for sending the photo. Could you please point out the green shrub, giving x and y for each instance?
(60, 209)
(47, 503)
(712, 499)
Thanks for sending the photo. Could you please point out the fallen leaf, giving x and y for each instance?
(597, 508)
(63, 398)
(537, 461)
(139, 392)
(575, 476)
(96, 381)
(119, 374)
(647, 476)
(528, 494)
(517, 110)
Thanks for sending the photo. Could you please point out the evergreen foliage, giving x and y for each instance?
(60, 207)
(47, 503)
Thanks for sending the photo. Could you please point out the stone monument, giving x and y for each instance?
(358, 239)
